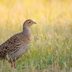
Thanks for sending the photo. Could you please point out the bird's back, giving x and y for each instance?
(14, 46)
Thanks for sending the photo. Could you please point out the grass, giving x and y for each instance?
(49, 51)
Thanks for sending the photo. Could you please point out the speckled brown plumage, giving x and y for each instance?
(15, 46)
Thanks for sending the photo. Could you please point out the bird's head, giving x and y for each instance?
(28, 23)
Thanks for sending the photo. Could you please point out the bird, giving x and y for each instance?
(17, 45)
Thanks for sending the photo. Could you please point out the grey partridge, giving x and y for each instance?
(15, 46)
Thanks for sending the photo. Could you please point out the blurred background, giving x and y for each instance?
(14, 12)
(51, 48)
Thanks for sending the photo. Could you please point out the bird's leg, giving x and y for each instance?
(13, 64)
(11, 61)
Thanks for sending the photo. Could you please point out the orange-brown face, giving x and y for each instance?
(29, 22)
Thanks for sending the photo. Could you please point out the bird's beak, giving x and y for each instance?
(34, 23)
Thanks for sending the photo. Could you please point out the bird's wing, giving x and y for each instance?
(11, 44)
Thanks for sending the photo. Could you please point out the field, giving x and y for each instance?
(51, 47)
(49, 51)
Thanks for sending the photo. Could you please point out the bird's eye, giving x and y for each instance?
(29, 22)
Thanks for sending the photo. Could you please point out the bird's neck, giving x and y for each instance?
(26, 30)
